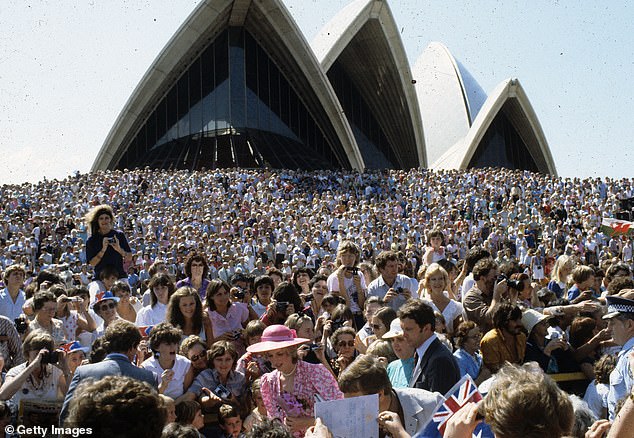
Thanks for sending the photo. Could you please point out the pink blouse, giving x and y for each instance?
(236, 315)
(310, 379)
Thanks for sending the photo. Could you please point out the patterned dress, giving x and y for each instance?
(310, 379)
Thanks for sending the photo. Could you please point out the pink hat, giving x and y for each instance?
(276, 336)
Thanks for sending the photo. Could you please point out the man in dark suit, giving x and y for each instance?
(435, 368)
(121, 340)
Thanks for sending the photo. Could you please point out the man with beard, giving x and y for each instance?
(507, 341)
(482, 300)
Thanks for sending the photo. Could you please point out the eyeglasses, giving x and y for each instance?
(346, 344)
(107, 306)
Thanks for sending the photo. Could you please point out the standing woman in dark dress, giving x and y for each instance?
(106, 246)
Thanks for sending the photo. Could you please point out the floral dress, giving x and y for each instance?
(310, 379)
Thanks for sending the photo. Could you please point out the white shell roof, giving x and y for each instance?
(202, 25)
(511, 94)
(448, 97)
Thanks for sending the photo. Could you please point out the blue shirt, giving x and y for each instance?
(400, 372)
(620, 378)
(378, 288)
(573, 292)
(469, 364)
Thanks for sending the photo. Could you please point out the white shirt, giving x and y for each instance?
(181, 368)
(9, 308)
(149, 315)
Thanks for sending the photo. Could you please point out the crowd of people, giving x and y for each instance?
(234, 300)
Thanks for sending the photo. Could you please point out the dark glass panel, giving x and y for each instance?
(221, 109)
(502, 146)
(274, 84)
(264, 89)
(195, 87)
(151, 132)
(375, 148)
(284, 100)
(183, 105)
(207, 70)
(161, 120)
(172, 116)
(238, 96)
(251, 67)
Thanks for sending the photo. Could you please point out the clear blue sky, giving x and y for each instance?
(67, 68)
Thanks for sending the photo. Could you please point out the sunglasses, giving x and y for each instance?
(346, 344)
(107, 306)
(195, 357)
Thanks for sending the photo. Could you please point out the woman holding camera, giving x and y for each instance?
(227, 318)
(45, 374)
(347, 281)
(70, 310)
(106, 246)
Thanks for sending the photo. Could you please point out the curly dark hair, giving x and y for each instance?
(92, 218)
(174, 315)
(504, 313)
(42, 297)
(121, 336)
(113, 405)
(164, 332)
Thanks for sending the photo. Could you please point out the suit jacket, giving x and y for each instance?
(418, 407)
(112, 365)
(438, 370)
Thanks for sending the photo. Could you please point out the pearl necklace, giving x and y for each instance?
(291, 373)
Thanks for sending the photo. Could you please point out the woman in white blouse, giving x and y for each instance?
(161, 289)
(436, 283)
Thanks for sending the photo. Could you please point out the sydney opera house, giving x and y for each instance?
(239, 86)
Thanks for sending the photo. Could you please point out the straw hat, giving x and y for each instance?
(275, 337)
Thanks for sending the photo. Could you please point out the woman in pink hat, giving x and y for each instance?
(289, 391)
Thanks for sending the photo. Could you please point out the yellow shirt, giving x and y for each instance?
(495, 351)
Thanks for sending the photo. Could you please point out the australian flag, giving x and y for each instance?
(463, 392)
